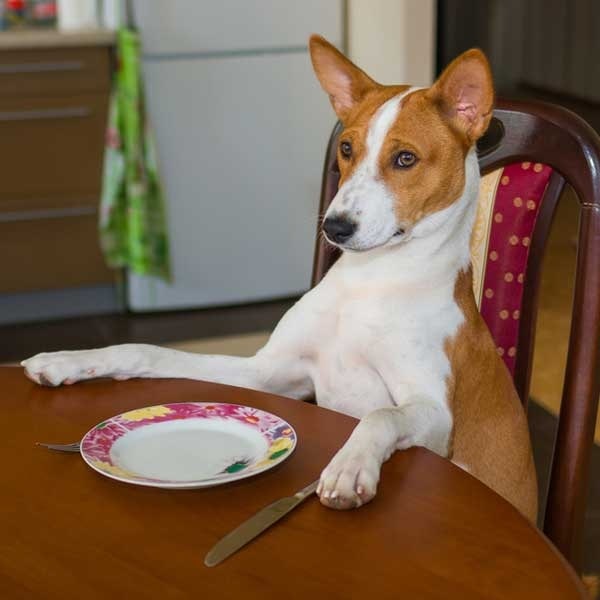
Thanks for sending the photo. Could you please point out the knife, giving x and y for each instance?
(256, 524)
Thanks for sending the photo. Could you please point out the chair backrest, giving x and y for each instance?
(530, 151)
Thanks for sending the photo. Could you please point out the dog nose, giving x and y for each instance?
(339, 229)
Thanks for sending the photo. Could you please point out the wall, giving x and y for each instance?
(394, 41)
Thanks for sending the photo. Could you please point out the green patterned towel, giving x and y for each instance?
(133, 230)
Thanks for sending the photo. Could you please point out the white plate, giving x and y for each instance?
(188, 444)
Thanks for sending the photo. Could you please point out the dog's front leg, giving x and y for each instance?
(275, 370)
(280, 367)
(350, 479)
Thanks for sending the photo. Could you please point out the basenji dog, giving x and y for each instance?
(392, 334)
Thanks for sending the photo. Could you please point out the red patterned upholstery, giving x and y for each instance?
(510, 226)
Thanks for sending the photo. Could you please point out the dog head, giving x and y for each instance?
(402, 151)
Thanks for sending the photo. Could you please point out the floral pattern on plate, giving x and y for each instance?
(279, 436)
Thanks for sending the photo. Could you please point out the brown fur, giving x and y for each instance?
(490, 437)
(343, 81)
(436, 180)
(592, 585)
(357, 124)
(438, 125)
(464, 92)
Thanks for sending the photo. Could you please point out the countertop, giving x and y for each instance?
(53, 38)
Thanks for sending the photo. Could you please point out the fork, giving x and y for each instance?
(74, 447)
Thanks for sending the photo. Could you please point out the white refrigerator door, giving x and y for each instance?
(241, 127)
(241, 142)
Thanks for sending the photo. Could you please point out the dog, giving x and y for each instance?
(392, 334)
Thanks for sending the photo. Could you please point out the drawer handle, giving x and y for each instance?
(42, 67)
(45, 113)
(52, 213)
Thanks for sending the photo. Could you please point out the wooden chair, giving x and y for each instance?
(530, 151)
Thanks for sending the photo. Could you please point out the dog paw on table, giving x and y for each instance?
(57, 368)
(350, 479)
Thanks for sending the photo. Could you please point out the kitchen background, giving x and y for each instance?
(240, 127)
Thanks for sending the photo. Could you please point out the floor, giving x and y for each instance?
(240, 330)
(20, 341)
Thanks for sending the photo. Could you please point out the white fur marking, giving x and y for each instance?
(381, 123)
(461, 465)
(364, 198)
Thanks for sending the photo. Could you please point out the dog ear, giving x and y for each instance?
(345, 83)
(465, 93)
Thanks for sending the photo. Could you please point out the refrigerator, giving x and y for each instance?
(241, 126)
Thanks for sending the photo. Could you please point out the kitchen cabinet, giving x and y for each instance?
(54, 95)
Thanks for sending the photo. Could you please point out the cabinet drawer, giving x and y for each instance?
(54, 71)
(51, 151)
(51, 253)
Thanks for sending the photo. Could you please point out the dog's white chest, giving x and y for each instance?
(376, 346)
(344, 374)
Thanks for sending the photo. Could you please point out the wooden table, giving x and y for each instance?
(66, 532)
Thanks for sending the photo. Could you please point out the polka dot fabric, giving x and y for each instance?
(516, 207)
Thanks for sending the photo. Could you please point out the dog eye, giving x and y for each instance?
(405, 159)
(346, 149)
